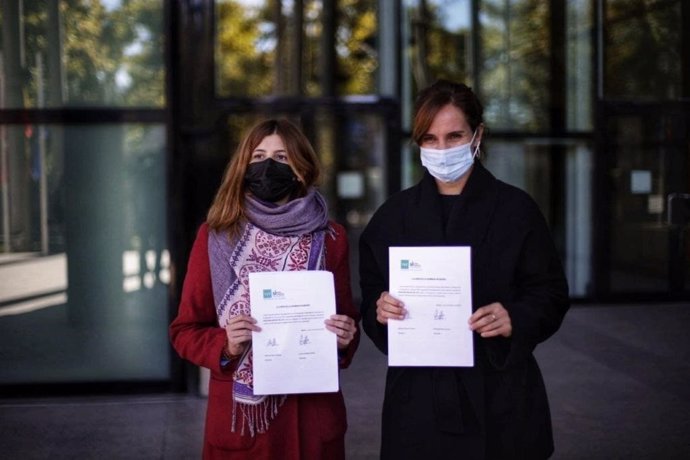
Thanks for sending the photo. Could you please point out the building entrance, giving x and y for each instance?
(644, 168)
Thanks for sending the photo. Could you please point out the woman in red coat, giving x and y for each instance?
(266, 216)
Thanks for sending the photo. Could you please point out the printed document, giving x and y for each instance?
(293, 352)
(435, 284)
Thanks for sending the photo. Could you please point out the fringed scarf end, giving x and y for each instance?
(256, 417)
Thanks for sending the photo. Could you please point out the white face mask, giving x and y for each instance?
(451, 164)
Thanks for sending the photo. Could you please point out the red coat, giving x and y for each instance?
(309, 426)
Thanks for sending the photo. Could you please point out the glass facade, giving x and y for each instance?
(645, 145)
(84, 258)
(307, 47)
(117, 119)
(648, 161)
(72, 53)
(579, 66)
(86, 300)
(514, 65)
(438, 40)
(562, 188)
(643, 49)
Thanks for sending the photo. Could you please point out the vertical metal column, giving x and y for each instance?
(389, 48)
(328, 56)
(43, 178)
(18, 182)
(4, 176)
(557, 121)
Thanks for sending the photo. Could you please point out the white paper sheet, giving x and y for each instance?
(293, 352)
(435, 285)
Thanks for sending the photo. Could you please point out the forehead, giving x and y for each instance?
(448, 119)
(271, 142)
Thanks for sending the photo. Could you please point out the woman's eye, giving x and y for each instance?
(282, 158)
(257, 156)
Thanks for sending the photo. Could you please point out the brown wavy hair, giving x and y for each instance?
(227, 210)
(443, 92)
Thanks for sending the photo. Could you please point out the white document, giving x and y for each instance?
(293, 352)
(435, 284)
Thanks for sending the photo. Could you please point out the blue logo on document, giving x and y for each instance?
(406, 264)
(273, 294)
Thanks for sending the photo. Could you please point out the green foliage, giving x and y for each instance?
(243, 67)
(435, 50)
(515, 70)
(146, 67)
(90, 56)
(356, 51)
(643, 44)
(258, 47)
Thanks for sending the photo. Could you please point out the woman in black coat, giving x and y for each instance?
(498, 408)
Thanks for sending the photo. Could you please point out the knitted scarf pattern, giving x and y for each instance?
(274, 238)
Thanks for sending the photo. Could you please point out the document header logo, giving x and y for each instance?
(273, 294)
(407, 264)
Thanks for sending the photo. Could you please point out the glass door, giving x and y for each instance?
(643, 164)
(646, 160)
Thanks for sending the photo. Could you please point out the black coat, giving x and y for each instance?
(498, 408)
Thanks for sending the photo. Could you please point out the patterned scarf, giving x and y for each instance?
(287, 237)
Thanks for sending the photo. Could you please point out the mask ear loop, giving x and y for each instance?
(476, 151)
(475, 154)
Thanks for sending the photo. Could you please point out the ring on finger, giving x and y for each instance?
(493, 317)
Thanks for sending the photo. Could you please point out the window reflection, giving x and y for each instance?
(649, 153)
(529, 166)
(307, 47)
(439, 42)
(71, 53)
(643, 49)
(514, 65)
(246, 48)
(85, 262)
(579, 108)
(356, 50)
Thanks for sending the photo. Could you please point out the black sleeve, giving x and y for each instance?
(542, 299)
(373, 280)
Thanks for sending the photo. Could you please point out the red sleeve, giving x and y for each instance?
(195, 333)
(338, 262)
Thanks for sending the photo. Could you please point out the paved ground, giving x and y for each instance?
(618, 379)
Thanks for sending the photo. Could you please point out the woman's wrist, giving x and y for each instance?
(227, 353)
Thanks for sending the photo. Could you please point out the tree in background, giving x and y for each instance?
(82, 53)
(643, 44)
(514, 67)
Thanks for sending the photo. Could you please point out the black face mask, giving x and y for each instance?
(270, 180)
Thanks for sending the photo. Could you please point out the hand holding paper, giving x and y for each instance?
(239, 332)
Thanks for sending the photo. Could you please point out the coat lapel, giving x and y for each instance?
(423, 221)
(469, 219)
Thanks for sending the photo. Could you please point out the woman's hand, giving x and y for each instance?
(343, 327)
(388, 307)
(491, 321)
(239, 332)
